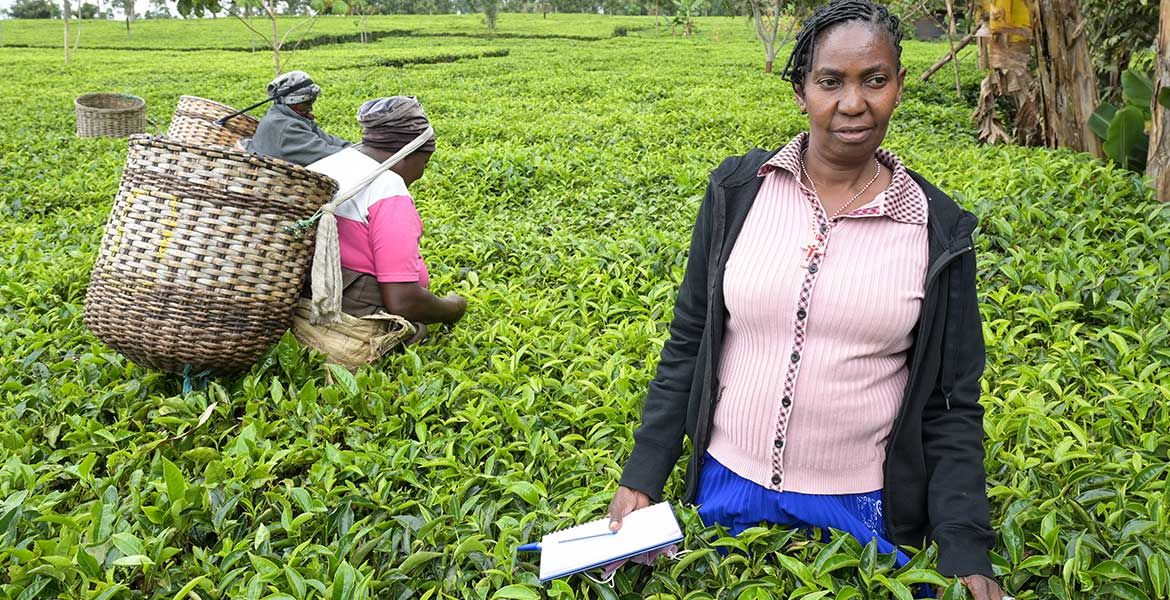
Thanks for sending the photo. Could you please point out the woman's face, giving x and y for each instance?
(412, 167)
(304, 109)
(850, 91)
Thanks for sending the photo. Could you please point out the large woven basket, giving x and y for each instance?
(103, 114)
(200, 266)
(194, 123)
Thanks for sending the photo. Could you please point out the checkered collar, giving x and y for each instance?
(904, 201)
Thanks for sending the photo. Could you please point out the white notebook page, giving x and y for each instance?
(642, 530)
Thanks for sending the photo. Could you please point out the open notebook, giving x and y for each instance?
(564, 553)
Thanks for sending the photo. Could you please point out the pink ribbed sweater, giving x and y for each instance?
(814, 360)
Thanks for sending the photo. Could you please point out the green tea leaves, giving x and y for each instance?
(560, 203)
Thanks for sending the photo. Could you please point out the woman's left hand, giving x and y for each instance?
(983, 587)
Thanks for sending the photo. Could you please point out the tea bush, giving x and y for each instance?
(228, 33)
(559, 203)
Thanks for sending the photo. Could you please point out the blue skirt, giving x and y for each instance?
(737, 504)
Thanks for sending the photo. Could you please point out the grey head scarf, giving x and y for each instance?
(391, 123)
(306, 90)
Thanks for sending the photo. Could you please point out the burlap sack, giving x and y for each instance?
(355, 341)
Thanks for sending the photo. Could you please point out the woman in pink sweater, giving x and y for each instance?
(826, 349)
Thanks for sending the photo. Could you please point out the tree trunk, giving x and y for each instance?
(275, 37)
(767, 25)
(951, 33)
(65, 19)
(1068, 83)
(1158, 161)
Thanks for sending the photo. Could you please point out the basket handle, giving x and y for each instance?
(281, 94)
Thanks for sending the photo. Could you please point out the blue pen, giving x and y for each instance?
(534, 547)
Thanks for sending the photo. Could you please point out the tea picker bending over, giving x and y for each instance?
(379, 228)
(826, 350)
(289, 129)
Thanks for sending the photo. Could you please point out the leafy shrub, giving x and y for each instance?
(1124, 130)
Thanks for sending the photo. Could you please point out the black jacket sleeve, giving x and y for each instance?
(952, 432)
(658, 441)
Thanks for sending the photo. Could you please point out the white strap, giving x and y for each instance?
(346, 195)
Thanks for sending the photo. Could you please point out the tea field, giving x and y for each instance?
(570, 166)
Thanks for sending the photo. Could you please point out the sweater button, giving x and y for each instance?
(779, 442)
(795, 356)
(776, 480)
(801, 314)
(824, 229)
(812, 268)
(785, 402)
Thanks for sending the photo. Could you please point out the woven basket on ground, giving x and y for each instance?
(199, 265)
(104, 114)
(194, 123)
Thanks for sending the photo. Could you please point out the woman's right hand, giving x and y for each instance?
(625, 501)
(458, 306)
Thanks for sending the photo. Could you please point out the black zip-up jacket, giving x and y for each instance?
(935, 482)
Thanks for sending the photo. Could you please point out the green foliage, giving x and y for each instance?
(1117, 30)
(685, 12)
(1124, 130)
(491, 10)
(212, 34)
(559, 202)
(33, 9)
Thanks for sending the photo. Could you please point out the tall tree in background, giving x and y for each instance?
(158, 9)
(1068, 83)
(128, 7)
(33, 9)
(1158, 159)
(491, 9)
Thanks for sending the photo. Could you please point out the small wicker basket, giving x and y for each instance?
(200, 266)
(194, 123)
(104, 114)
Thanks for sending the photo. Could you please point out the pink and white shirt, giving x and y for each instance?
(380, 228)
(821, 315)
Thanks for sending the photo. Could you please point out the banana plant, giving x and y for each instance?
(1124, 130)
(684, 16)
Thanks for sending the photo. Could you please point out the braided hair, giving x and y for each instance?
(829, 15)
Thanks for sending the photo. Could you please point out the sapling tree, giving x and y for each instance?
(767, 15)
(276, 40)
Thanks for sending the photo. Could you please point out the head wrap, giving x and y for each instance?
(391, 123)
(293, 87)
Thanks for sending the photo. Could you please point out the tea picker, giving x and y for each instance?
(289, 130)
(272, 97)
